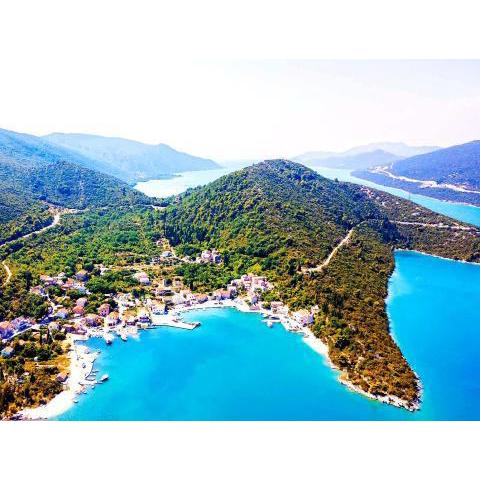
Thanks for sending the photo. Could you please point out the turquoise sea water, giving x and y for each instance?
(235, 368)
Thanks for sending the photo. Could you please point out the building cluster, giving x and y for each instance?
(253, 286)
(123, 309)
(209, 256)
(61, 280)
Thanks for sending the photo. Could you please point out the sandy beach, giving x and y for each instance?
(81, 365)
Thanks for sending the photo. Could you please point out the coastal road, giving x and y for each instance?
(437, 225)
(320, 267)
(423, 183)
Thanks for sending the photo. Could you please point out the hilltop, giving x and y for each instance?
(130, 160)
(282, 219)
(451, 173)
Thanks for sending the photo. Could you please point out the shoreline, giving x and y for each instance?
(424, 195)
(81, 366)
(82, 362)
(407, 250)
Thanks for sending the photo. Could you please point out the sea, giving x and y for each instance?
(236, 368)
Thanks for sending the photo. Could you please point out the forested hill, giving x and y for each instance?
(130, 160)
(282, 219)
(33, 173)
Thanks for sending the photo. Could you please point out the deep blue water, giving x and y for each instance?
(235, 368)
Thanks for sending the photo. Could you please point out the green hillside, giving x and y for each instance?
(280, 218)
(34, 174)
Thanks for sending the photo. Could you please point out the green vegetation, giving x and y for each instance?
(34, 175)
(28, 378)
(278, 218)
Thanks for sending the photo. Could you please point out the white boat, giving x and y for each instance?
(104, 378)
(108, 337)
(269, 324)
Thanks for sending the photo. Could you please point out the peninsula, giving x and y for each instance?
(275, 237)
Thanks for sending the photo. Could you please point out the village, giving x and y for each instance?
(78, 314)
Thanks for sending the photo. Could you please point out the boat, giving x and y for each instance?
(104, 378)
(108, 337)
(123, 336)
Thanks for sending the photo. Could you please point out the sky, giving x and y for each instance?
(133, 70)
(235, 110)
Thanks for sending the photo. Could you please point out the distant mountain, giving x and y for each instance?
(358, 160)
(458, 165)
(396, 148)
(364, 156)
(130, 160)
(451, 173)
(34, 173)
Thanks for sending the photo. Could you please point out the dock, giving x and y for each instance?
(172, 321)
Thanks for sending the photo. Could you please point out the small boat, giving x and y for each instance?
(123, 336)
(104, 378)
(269, 324)
(108, 337)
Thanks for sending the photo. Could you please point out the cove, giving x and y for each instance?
(235, 368)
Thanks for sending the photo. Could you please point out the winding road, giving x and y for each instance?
(56, 220)
(320, 267)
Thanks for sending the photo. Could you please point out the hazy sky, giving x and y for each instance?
(245, 110)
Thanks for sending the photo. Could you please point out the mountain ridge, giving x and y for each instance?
(451, 173)
(35, 174)
(395, 149)
(135, 161)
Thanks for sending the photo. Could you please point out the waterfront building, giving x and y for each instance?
(112, 319)
(158, 308)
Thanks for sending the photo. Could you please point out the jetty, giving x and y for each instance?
(173, 321)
